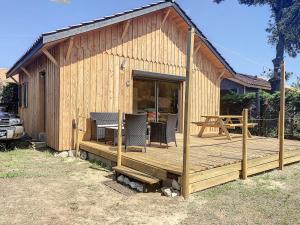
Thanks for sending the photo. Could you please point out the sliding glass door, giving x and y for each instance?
(167, 101)
(156, 98)
(144, 98)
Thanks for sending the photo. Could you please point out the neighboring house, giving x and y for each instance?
(3, 79)
(135, 60)
(242, 84)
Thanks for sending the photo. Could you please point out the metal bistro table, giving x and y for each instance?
(111, 134)
(158, 132)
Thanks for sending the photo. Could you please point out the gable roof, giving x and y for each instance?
(251, 81)
(70, 31)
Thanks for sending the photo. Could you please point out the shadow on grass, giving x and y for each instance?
(98, 165)
(14, 144)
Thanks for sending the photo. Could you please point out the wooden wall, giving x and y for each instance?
(34, 115)
(92, 78)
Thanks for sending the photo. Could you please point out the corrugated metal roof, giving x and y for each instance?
(106, 21)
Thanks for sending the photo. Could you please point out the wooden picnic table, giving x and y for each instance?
(223, 122)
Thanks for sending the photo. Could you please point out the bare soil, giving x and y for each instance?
(38, 188)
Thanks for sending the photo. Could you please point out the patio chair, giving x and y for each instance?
(135, 130)
(165, 132)
(103, 120)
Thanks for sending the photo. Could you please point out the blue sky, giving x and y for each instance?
(237, 31)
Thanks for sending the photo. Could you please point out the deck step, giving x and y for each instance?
(142, 177)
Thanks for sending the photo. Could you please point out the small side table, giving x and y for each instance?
(111, 135)
(158, 132)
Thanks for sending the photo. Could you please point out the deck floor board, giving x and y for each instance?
(206, 153)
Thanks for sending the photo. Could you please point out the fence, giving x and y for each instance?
(268, 127)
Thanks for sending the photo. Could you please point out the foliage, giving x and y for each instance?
(234, 103)
(286, 22)
(296, 84)
(9, 97)
(283, 29)
(270, 75)
(269, 110)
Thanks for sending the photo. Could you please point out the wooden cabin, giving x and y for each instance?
(135, 60)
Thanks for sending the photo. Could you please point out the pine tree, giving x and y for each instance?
(283, 29)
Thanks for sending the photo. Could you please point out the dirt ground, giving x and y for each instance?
(38, 188)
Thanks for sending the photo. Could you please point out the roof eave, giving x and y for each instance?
(35, 48)
(51, 37)
(203, 38)
(69, 33)
(86, 28)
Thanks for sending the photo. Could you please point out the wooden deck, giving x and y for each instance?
(214, 160)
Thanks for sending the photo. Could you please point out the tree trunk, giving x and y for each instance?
(277, 62)
(279, 47)
(279, 56)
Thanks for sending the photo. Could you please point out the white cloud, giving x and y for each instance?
(61, 1)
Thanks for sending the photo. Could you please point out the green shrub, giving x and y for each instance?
(234, 104)
(9, 97)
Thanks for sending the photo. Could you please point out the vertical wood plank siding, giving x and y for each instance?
(91, 78)
(34, 115)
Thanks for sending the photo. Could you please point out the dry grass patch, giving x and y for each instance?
(37, 188)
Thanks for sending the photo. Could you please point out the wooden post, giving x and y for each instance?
(119, 153)
(186, 133)
(77, 133)
(245, 145)
(282, 118)
(278, 125)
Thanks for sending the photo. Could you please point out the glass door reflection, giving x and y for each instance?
(167, 99)
(156, 98)
(144, 98)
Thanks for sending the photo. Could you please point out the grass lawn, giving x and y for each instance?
(38, 188)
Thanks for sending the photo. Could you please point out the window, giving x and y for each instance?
(156, 98)
(23, 95)
(20, 95)
(26, 95)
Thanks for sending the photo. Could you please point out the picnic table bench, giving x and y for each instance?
(224, 123)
